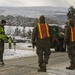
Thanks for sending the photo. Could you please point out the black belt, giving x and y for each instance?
(2, 33)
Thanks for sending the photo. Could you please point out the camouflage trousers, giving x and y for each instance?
(43, 55)
(71, 52)
(1, 51)
(9, 45)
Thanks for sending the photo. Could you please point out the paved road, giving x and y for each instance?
(29, 65)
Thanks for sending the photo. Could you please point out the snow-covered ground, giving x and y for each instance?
(23, 50)
(58, 69)
(11, 53)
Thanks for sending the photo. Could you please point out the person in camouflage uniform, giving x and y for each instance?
(2, 38)
(70, 42)
(42, 45)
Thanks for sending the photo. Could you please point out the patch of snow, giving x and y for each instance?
(10, 53)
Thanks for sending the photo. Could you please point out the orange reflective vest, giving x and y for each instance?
(72, 36)
(43, 31)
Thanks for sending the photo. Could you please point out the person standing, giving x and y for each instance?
(70, 42)
(41, 38)
(2, 38)
(14, 43)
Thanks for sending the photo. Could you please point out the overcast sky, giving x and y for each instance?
(55, 3)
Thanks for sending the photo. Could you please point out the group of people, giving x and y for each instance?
(41, 38)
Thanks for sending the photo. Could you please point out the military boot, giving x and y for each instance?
(2, 64)
(40, 68)
(40, 65)
(71, 67)
(44, 67)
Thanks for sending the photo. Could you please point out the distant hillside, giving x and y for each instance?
(34, 12)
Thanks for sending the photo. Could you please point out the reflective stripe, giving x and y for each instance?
(40, 30)
(72, 34)
(47, 30)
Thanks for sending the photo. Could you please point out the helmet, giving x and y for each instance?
(42, 19)
(71, 22)
(3, 21)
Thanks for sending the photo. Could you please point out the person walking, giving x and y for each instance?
(2, 38)
(70, 42)
(41, 36)
(10, 42)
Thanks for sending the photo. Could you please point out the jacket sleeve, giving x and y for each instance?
(67, 35)
(50, 33)
(34, 35)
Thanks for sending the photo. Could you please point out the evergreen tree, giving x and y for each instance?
(71, 12)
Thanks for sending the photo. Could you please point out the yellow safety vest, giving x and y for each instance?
(2, 33)
(9, 40)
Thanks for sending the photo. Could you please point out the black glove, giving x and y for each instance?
(7, 37)
(33, 45)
